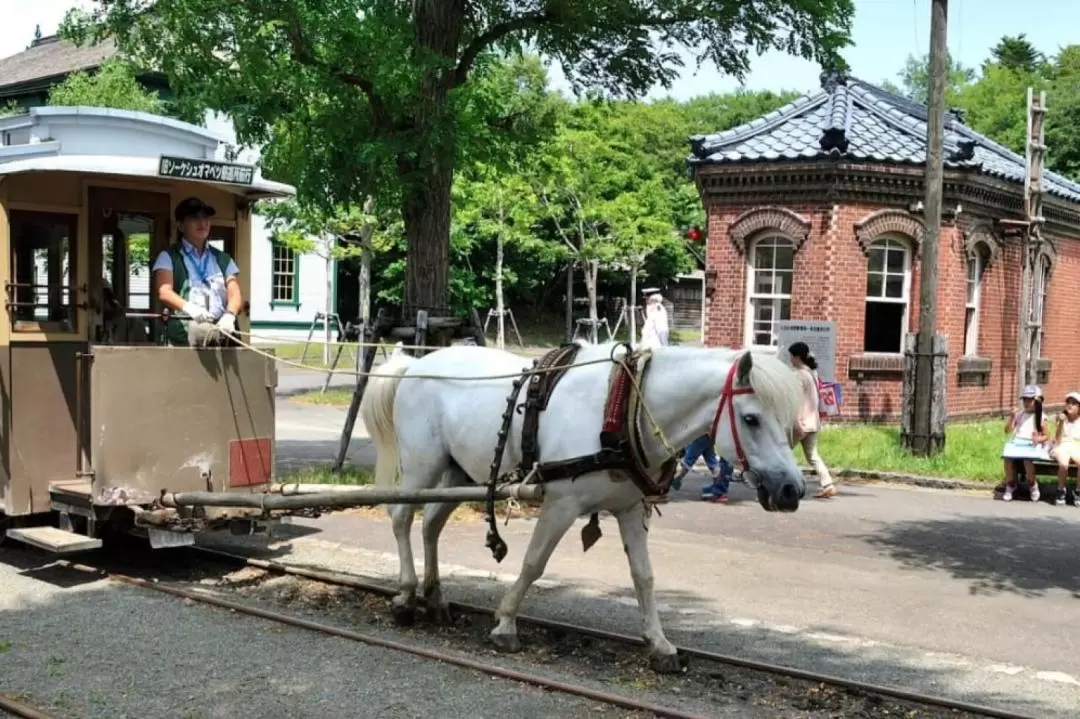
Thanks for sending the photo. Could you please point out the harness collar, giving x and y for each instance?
(727, 399)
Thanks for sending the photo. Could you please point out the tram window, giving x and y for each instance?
(126, 244)
(43, 271)
(224, 239)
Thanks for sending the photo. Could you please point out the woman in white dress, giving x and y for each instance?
(654, 333)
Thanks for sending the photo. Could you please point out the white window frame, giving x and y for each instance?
(971, 333)
(276, 273)
(776, 239)
(905, 245)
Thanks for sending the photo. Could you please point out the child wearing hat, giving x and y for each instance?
(1026, 443)
(1067, 443)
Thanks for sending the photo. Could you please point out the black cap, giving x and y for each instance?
(192, 207)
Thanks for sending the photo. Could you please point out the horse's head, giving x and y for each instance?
(758, 407)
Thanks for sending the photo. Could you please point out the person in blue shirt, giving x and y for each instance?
(198, 280)
(719, 468)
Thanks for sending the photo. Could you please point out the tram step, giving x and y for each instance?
(54, 540)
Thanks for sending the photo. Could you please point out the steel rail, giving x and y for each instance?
(351, 581)
(463, 662)
(16, 707)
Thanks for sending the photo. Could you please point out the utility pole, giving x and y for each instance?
(922, 441)
(1031, 239)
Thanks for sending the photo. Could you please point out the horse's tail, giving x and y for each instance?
(377, 413)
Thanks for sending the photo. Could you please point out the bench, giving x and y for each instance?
(1047, 490)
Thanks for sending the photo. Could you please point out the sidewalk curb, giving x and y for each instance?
(908, 479)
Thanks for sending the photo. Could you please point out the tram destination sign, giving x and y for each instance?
(189, 169)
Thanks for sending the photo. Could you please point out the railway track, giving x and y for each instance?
(939, 706)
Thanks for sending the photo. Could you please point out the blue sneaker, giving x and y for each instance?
(713, 493)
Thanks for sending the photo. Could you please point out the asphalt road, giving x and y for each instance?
(933, 590)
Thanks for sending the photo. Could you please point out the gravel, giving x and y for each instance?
(81, 647)
(228, 663)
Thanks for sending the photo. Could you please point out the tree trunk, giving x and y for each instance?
(364, 282)
(500, 337)
(570, 300)
(438, 25)
(426, 213)
(592, 274)
(329, 298)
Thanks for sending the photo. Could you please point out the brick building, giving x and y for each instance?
(814, 213)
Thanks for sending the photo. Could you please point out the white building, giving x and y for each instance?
(287, 290)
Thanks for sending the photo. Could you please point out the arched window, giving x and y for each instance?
(976, 265)
(771, 265)
(888, 288)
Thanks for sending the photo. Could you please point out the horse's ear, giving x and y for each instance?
(742, 374)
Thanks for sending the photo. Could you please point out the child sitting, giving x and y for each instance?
(1027, 442)
(1067, 443)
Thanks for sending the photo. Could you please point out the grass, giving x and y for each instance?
(333, 396)
(972, 450)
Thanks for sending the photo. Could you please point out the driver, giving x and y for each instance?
(199, 280)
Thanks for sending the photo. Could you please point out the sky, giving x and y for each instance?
(885, 32)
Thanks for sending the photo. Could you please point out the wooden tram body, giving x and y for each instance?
(97, 417)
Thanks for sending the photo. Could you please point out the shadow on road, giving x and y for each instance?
(1028, 556)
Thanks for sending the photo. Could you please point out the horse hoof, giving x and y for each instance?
(508, 643)
(669, 663)
(404, 615)
(440, 614)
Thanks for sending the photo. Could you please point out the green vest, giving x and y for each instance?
(176, 330)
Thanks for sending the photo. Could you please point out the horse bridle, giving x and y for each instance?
(727, 400)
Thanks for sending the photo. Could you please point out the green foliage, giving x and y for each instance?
(10, 108)
(1017, 54)
(380, 98)
(309, 229)
(915, 79)
(113, 85)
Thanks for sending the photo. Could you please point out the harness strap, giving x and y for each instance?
(727, 400)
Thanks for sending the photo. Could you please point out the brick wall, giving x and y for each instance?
(829, 283)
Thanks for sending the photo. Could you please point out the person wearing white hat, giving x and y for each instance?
(654, 333)
(1027, 443)
(1067, 444)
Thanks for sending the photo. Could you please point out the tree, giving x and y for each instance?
(501, 206)
(113, 85)
(1016, 53)
(330, 235)
(381, 92)
(915, 79)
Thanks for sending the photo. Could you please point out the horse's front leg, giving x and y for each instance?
(557, 517)
(633, 526)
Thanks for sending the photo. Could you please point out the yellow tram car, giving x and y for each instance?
(99, 418)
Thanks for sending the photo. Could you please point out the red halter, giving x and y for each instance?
(727, 396)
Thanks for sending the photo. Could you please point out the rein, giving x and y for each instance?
(727, 401)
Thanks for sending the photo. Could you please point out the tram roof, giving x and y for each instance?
(134, 166)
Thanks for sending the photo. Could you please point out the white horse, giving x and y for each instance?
(432, 431)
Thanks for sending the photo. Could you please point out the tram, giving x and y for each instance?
(98, 417)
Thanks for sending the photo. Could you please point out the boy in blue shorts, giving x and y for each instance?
(719, 468)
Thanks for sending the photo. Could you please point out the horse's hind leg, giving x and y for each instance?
(403, 605)
(435, 516)
(663, 657)
(422, 472)
(550, 528)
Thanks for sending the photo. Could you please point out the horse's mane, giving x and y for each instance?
(777, 387)
(774, 383)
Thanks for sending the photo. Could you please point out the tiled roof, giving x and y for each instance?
(854, 120)
(49, 58)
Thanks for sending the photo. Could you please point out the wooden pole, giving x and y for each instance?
(922, 441)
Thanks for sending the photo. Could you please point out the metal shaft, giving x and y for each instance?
(356, 497)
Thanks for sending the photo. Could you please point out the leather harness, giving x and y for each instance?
(620, 437)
